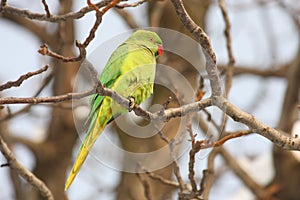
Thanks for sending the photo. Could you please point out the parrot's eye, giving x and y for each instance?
(151, 39)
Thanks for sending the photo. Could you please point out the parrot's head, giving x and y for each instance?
(148, 39)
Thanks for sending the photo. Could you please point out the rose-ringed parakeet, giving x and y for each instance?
(130, 72)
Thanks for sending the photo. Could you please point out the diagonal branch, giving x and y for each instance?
(27, 107)
(277, 137)
(161, 179)
(22, 78)
(13, 163)
(44, 49)
(204, 41)
(259, 191)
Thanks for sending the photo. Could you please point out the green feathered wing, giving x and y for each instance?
(130, 72)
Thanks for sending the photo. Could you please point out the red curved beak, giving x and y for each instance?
(160, 49)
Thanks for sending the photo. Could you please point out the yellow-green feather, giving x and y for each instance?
(130, 72)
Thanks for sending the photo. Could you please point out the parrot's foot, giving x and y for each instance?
(131, 103)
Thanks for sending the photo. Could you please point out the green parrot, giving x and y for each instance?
(130, 72)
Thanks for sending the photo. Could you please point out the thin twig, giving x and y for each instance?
(24, 172)
(6, 9)
(200, 90)
(161, 179)
(134, 4)
(229, 72)
(22, 78)
(99, 15)
(280, 72)
(196, 146)
(109, 6)
(163, 137)
(230, 69)
(27, 107)
(44, 49)
(46, 7)
(4, 165)
(230, 136)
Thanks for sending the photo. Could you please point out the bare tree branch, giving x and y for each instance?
(27, 107)
(230, 70)
(196, 146)
(196, 30)
(230, 67)
(277, 137)
(204, 41)
(22, 78)
(274, 135)
(44, 50)
(161, 179)
(25, 173)
(53, 99)
(280, 71)
(134, 4)
(231, 136)
(6, 9)
(259, 191)
(46, 7)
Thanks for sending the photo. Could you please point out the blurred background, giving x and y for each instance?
(265, 43)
